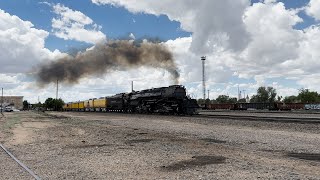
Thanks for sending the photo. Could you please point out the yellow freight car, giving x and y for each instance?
(74, 106)
(67, 107)
(77, 106)
(91, 104)
(100, 104)
(81, 106)
(86, 105)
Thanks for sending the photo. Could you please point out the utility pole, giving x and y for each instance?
(57, 89)
(203, 59)
(1, 100)
(131, 86)
(238, 93)
(56, 104)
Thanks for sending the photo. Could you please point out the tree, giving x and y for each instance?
(213, 101)
(201, 101)
(225, 99)
(58, 104)
(265, 94)
(222, 99)
(290, 99)
(49, 103)
(306, 96)
(53, 104)
(279, 98)
(26, 105)
(243, 100)
(254, 98)
(232, 100)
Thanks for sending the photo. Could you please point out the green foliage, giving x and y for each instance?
(279, 98)
(232, 100)
(213, 101)
(291, 99)
(201, 101)
(54, 104)
(243, 100)
(254, 98)
(222, 99)
(264, 94)
(306, 96)
(26, 105)
(225, 99)
(49, 104)
(38, 105)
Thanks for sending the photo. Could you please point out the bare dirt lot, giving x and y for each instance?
(77, 145)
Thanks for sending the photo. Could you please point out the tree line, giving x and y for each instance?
(268, 95)
(263, 95)
(50, 104)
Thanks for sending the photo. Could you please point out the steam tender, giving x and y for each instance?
(164, 100)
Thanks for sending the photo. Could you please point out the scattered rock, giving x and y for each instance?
(196, 161)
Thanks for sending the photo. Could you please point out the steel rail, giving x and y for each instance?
(280, 119)
(263, 118)
(20, 163)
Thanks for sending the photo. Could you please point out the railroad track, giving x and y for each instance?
(282, 119)
(317, 112)
(20, 163)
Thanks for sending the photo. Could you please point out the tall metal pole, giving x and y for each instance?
(131, 86)
(238, 93)
(203, 59)
(1, 100)
(57, 89)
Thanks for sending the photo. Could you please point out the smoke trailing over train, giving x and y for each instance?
(105, 58)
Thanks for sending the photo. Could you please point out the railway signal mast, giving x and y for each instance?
(203, 59)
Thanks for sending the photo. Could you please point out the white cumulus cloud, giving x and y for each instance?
(74, 25)
(313, 9)
(21, 45)
(274, 40)
(212, 22)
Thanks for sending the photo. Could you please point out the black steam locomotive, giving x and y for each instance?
(164, 100)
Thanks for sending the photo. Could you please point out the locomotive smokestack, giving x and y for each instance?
(105, 58)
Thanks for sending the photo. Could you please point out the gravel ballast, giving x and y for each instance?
(77, 145)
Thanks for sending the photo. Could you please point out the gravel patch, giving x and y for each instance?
(9, 169)
(126, 146)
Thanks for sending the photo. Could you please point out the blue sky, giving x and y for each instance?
(190, 34)
(116, 22)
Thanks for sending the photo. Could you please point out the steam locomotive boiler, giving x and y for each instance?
(164, 100)
(172, 100)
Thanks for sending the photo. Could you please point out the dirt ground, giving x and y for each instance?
(77, 145)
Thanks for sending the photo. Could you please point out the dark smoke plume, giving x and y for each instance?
(105, 58)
